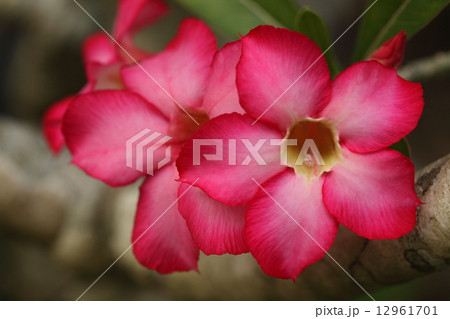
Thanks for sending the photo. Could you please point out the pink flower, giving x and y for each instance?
(97, 125)
(352, 120)
(391, 53)
(103, 59)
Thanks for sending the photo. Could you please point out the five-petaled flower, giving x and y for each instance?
(198, 84)
(353, 119)
(103, 59)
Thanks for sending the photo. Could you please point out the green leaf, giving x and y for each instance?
(402, 146)
(282, 10)
(234, 17)
(388, 17)
(312, 25)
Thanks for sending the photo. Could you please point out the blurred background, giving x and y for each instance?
(48, 252)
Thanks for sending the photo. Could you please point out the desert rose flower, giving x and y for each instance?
(194, 78)
(103, 59)
(348, 174)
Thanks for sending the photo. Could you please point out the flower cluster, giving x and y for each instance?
(281, 202)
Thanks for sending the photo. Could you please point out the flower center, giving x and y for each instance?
(311, 147)
(183, 125)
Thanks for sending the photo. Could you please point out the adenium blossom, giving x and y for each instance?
(391, 53)
(191, 76)
(103, 59)
(352, 120)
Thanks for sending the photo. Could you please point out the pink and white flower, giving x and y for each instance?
(353, 119)
(103, 59)
(189, 76)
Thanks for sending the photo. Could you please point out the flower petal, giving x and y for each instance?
(161, 238)
(391, 53)
(372, 107)
(228, 178)
(52, 124)
(130, 52)
(272, 61)
(97, 126)
(373, 194)
(98, 48)
(102, 63)
(181, 70)
(221, 93)
(286, 240)
(133, 15)
(216, 228)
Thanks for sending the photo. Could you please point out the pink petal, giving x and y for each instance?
(161, 238)
(221, 93)
(133, 15)
(279, 242)
(97, 126)
(102, 63)
(230, 181)
(372, 107)
(272, 60)
(216, 228)
(373, 194)
(182, 69)
(52, 124)
(98, 48)
(130, 52)
(391, 53)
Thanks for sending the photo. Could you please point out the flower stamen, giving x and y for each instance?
(311, 147)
